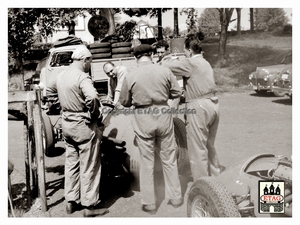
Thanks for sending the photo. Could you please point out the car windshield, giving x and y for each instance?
(61, 59)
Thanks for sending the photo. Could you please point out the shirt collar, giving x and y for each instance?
(200, 55)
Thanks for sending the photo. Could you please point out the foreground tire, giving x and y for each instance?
(209, 198)
(182, 152)
(47, 135)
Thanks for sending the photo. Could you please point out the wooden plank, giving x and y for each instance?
(27, 164)
(21, 96)
(39, 155)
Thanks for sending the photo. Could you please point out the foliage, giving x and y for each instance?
(191, 20)
(209, 21)
(152, 12)
(126, 30)
(167, 31)
(269, 19)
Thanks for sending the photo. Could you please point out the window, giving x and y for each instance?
(61, 59)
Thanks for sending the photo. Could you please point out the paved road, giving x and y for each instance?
(249, 125)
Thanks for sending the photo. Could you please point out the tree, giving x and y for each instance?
(225, 19)
(269, 19)
(209, 21)
(238, 12)
(251, 19)
(167, 31)
(176, 30)
(191, 20)
(152, 12)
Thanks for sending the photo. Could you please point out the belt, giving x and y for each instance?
(154, 104)
(205, 96)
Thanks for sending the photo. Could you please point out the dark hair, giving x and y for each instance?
(108, 62)
(193, 42)
(148, 54)
(162, 43)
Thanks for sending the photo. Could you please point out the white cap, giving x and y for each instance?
(81, 53)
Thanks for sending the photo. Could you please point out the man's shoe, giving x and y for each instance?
(91, 212)
(151, 208)
(72, 207)
(176, 202)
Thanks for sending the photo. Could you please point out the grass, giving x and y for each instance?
(244, 55)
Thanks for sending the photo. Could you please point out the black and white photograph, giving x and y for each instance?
(162, 112)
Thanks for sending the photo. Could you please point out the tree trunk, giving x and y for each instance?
(238, 12)
(225, 16)
(71, 27)
(108, 13)
(159, 23)
(251, 19)
(176, 30)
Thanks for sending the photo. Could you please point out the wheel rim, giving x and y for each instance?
(201, 207)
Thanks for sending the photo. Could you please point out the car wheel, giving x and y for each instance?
(209, 198)
(47, 135)
(279, 93)
(182, 152)
(261, 92)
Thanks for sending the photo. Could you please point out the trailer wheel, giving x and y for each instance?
(123, 55)
(121, 50)
(47, 135)
(209, 198)
(182, 152)
(99, 45)
(100, 50)
(101, 55)
(121, 44)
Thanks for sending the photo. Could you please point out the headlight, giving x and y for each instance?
(266, 78)
(251, 76)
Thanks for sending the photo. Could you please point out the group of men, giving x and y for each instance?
(149, 85)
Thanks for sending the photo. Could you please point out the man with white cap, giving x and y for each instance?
(80, 112)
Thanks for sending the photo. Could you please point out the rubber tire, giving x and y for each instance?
(100, 50)
(100, 45)
(124, 55)
(216, 196)
(279, 94)
(121, 50)
(121, 44)
(48, 135)
(181, 141)
(102, 56)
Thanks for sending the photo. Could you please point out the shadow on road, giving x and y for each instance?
(266, 95)
(284, 101)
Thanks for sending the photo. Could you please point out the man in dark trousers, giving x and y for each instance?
(148, 87)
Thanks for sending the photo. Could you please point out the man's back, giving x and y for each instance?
(151, 84)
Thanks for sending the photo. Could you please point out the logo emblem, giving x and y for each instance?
(271, 197)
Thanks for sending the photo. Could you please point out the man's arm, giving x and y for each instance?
(175, 90)
(91, 97)
(121, 73)
(109, 91)
(177, 66)
(125, 94)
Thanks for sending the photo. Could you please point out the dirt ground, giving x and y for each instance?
(249, 125)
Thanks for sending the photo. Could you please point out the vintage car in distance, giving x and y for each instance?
(262, 80)
(283, 82)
